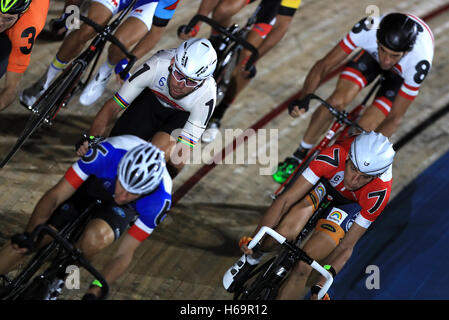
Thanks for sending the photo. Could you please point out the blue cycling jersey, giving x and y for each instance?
(102, 162)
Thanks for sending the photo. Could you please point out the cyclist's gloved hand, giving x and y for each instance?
(120, 66)
(23, 241)
(86, 142)
(314, 293)
(250, 72)
(294, 108)
(184, 35)
(243, 244)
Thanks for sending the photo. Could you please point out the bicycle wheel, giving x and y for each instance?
(224, 71)
(47, 106)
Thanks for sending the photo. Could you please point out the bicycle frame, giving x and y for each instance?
(68, 234)
(298, 255)
(343, 119)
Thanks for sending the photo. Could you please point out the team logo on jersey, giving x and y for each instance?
(337, 216)
(337, 178)
(119, 211)
(366, 164)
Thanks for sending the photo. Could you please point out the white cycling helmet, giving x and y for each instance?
(196, 58)
(141, 169)
(372, 153)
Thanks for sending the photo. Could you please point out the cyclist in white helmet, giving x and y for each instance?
(129, 176)
(353, 182)
(173, 90)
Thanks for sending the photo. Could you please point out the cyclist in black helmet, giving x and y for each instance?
(20, 23)
(398, 46)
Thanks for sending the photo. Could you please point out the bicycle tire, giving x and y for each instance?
(224, 71)
(46, 107)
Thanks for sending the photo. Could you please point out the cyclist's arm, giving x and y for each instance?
(105, 118)
(9, 92)
(284, 202)
(322, 68)
(49, 202)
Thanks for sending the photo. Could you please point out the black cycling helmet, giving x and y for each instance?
(397, 32)
(14, 6)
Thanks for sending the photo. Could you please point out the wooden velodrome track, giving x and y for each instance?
(188, 253)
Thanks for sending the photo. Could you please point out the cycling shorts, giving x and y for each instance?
(119, 218)
(146, 115)
(340, 213)
(363, 69)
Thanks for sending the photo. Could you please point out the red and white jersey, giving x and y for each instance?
(413, 67)
(372, 197)
(154, 74)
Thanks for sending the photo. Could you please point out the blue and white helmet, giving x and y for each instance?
(196, 58)
(141, 169)
(372, 153)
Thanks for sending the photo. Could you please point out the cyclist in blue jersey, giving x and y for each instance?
(129, 176)
(142, 29)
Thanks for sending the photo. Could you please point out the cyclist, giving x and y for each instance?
(129, 176)
(273, 21)
(398, 46)
(20, 23)
(355, 178)
(173, 89)
(143, 28)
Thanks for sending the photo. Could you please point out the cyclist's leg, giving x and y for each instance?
(226, 9)
(132, 30)
(381, 106)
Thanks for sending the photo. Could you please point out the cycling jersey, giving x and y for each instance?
(154, 74)
(102, 162)
(157, 12)
(413, 67)
(23, 34)
(372, 197)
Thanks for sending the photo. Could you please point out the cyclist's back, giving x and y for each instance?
(23, 34)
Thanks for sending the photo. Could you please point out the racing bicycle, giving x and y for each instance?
(264, 281)
(55, 258)
(345, 125)
(58, 94)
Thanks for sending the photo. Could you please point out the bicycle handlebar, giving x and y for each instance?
(75, 254)
(341, 116)
(303, 256)
(223, 30)
(106, 33)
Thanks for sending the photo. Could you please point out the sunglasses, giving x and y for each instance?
(180, 77)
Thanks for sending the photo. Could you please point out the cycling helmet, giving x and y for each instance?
(141, 169)
(196, 58)
(14, 6)
(372, 153)
(397, 32)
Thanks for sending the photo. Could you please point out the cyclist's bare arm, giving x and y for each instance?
(370, 119)
(103, 121)
(282, 205)
(341, 254)
(49, 202)
(9, 92)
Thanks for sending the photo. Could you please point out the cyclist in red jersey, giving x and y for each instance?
(20, 23)
(399, 47)
(355, 179)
